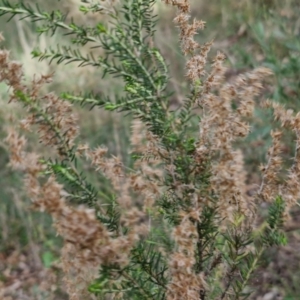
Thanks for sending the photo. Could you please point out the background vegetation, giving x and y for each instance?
(250, 33)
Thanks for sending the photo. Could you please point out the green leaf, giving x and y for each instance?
(48, 259)
(101, 28)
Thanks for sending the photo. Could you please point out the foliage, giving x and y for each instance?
(178, 223)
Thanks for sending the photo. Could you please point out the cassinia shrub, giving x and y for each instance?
(177, 223)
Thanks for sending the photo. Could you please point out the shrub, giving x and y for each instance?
(176, 222)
